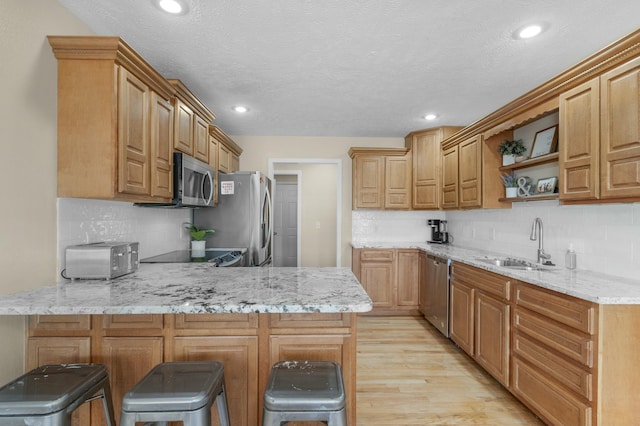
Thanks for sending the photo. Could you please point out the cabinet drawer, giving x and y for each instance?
(573, 344)
(547, 398)
(569, 374)
(560, 307)
(216, 322)
(376, 255)
(310, 320)
(60, 322)
(494, 284)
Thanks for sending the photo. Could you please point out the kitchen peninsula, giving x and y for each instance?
(247, 318)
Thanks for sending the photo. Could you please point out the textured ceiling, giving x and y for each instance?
(359, 67)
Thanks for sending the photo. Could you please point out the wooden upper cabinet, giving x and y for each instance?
(161, 146)
(228, 151)
(368, 182)
(450, 178)
(381, 178)
(620, 131)
(201, 140)
(192, 119)
(397, 188)
(427, 165)
(183, 128)
(579, 136)
(106, 135)
(470, 172)
(133, 134)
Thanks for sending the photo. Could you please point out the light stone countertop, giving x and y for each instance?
(587, 285)
(165, 288)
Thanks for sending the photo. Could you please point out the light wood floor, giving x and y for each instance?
(409, 374)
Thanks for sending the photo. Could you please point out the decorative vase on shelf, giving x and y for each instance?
(508, 159)
(198, 248)
(511, 192)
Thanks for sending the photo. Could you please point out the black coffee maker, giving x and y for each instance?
(439, 234)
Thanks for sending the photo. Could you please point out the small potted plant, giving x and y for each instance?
(510, 150)
(198, 235)
(510, 182)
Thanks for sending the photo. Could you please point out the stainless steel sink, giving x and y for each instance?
(510, 263)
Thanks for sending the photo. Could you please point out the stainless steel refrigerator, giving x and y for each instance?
(243, 216)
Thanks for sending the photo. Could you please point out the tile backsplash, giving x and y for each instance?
(606, 237)
(158, 230)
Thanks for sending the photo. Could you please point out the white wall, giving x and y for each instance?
(606, 237)
(158, 230)
(28, 76)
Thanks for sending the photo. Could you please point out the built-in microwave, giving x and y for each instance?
(193, 183)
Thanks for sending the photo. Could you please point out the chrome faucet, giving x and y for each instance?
(537, 226)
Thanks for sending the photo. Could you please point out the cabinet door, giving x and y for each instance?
(378, 281)
(128, 360)
(161, 119)
(56, 350)
(235, 163)
(201, 139)
(133, 135)
(224, 158)
(368, 182)
(462, 318)
(450, 178)
(492, 323)
(426, 170)
(408, 278)
(397, 189)
(183, 128)
(470, 172)
(620, 131)
(240, 358)
(579, 136)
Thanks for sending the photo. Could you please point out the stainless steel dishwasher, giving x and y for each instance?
(436, 288)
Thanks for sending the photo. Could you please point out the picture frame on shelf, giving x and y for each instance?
(545, 142)
(546, 186)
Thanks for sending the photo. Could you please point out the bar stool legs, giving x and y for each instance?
(177, 391)
(49, 394)
(305, 390)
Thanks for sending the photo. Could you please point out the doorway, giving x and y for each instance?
(319, 205)
(286, 218)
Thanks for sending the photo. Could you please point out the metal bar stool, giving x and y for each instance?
(48, 395)
(305, 390)
(177, 391)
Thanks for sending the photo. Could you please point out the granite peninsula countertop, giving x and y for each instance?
(587, 285)
(166, 288)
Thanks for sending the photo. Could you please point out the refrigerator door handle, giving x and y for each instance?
(267, 209)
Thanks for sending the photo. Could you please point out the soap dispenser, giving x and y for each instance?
(570, 257)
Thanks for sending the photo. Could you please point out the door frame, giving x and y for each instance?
(297, 173)
(338, 163)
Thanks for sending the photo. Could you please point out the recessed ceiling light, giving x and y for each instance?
(529, 31)
(240, 109)
(430, 117)
(175, 7)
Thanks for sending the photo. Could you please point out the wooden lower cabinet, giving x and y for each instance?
(247, 345)
(391, 278)
(461, 315)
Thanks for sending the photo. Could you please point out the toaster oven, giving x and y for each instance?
(104, 260)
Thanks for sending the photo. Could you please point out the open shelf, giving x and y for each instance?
(543, 159)
(529, 198)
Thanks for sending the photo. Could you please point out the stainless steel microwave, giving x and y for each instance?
(193, 183)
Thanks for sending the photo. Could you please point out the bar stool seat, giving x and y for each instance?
(48, 395)
(304, 390)
(177, 391)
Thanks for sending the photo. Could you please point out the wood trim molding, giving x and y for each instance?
(111, 49)
(221, 136)
(185, 95)
(377, 151)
